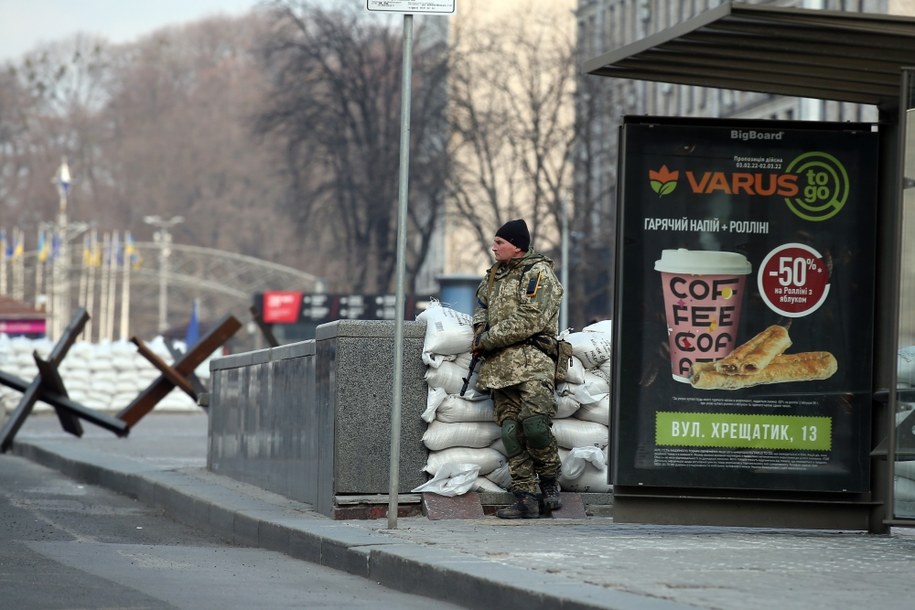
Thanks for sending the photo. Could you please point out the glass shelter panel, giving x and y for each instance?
(904, 465)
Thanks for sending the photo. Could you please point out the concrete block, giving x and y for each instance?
(465, 506)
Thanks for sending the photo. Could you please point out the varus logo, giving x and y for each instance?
(814, 185)
(663, 182)
(743, 183)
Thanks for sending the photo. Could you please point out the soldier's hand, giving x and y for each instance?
(476, 348)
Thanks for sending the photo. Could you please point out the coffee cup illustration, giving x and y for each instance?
(703, 293)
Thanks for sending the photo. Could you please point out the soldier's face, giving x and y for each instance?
(504, 250)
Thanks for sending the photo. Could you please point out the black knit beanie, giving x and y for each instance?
(515, 232)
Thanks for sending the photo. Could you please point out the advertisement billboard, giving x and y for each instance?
(745, 304)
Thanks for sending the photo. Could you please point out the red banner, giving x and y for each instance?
(282, 306)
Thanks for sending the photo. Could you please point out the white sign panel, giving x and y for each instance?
(434, 7)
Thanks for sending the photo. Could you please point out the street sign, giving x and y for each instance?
(429, 7)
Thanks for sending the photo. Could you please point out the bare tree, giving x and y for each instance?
(511, 119)
(180, 139)
(48, 108)
(335, 104)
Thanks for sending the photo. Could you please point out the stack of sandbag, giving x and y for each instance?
(461, 429)
(104, 376)
(582, 422)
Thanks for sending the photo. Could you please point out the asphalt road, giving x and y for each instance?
(68, 545)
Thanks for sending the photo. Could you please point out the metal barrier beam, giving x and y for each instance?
(159, 389)
(47, 381)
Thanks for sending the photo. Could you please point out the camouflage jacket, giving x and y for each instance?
(515, 301)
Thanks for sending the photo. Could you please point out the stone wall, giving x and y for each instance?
(311, 420)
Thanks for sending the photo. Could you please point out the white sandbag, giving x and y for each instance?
(486, 458)
(576, 460)
(905, 489)
(434, 398)
(905, 470)
(177, 400)
(440, 435)
(605, 370)
(572, 432)
(457, 409)
(593, 389)
(566, 405)
(498, 445)
(592, 481)
(596, 411)
(576, 372)
(905, 365)
(452, 479)
(501, 476)
(592, 348)
(448, 331)
(601, 326)
(589, 465)
(450, 377)
(436, 360)
(104, 376)
(482, 484)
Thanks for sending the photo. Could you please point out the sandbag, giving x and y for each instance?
(450, 377)
(596, 411)
(566, 405)
(448, 331)
(576, 460)
(588, 465)
(592, 348)
(486, 458)
(483, 484)
(572, 432)
(457, 409)
(501, 476)
(434, 398)
(451, 480)
(440, 435)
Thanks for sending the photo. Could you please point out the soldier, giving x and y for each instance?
(515, 323)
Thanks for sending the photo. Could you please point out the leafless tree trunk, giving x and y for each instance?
(335, 103)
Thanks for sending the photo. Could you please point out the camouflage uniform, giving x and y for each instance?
(515, 301)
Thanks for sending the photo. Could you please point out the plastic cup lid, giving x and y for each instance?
(702, 262)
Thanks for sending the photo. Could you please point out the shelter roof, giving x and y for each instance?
(834, 55)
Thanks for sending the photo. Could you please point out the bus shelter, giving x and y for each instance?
(770, 264)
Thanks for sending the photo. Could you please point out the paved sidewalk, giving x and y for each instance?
(491, 563)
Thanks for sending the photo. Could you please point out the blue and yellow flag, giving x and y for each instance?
(44, 249)
(19, 249)
(131, 253)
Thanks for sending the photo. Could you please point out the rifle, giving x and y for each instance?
(473, 364)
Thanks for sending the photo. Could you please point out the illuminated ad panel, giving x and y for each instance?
(745, 304)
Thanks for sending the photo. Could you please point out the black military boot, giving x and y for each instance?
(526, 506)
(550, 488)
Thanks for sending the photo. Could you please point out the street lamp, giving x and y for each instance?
(60, 293)
(163, 237)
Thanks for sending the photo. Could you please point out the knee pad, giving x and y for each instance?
(511, 439)
(537, 431)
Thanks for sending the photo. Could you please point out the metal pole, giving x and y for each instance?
(564, 266)
(403, 192)
(60, 291)
(162, 237)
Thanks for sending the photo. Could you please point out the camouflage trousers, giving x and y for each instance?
(518, 402)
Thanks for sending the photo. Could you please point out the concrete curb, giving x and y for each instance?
(248, 516)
